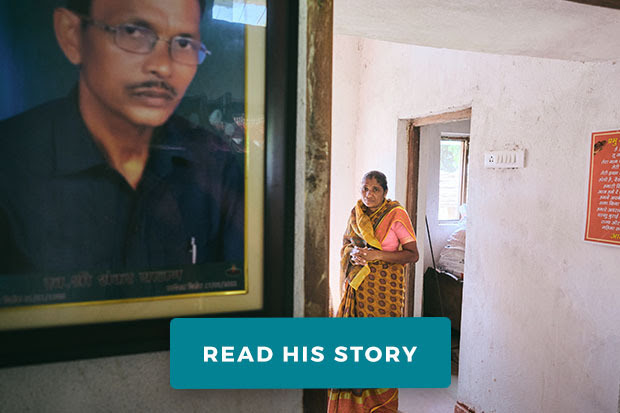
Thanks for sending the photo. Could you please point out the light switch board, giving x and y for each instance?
(504, 159)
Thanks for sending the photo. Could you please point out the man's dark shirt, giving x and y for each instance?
(63, 208)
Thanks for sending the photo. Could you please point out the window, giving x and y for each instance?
(452, 176)
(252, 12)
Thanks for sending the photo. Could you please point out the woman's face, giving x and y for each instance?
(372, 193)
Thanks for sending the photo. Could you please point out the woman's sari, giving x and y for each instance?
(376, 289)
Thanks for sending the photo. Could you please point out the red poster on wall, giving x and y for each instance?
(603, 219)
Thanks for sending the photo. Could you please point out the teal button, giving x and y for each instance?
(294, 353)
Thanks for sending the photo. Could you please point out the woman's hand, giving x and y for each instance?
(409, 254)
(360, 256)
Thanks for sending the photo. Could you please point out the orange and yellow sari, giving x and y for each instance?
(376, 289)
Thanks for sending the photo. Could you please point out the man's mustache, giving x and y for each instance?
(149, 84)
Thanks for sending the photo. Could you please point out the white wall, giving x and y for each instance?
(540, 306)
(345, 175)
(138, 383)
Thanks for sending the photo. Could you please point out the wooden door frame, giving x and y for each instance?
(413, 175)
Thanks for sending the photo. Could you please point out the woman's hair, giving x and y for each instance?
(379, 177)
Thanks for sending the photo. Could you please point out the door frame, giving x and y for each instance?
(413, 174)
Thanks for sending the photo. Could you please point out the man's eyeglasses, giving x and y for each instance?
(142, 40)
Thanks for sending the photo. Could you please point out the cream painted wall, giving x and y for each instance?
(540, 306)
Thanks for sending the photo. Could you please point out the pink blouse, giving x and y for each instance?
(397, 234)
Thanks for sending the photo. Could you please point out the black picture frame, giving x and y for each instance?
(63, 343)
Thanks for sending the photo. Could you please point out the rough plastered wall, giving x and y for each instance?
(345, 177)
(540, 327)
(138, 383)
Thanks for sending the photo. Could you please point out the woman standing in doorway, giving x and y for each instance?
(377, 244)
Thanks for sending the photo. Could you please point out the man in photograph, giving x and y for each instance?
(108, 178)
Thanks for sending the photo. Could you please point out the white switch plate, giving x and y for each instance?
(504, 159)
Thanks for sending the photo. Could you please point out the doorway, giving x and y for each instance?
(438, 152)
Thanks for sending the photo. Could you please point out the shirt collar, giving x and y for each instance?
(76, 150)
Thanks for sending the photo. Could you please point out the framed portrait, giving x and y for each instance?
(146, 172)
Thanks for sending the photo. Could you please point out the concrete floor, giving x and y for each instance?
(429, 400)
